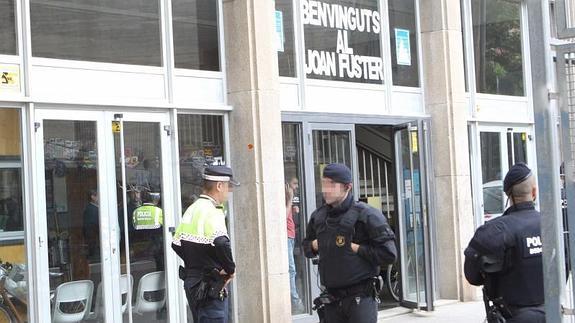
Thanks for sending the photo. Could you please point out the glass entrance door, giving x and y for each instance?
(93, 164)
(329, 144)
(325, 144)
(413, 222)
(141, 182)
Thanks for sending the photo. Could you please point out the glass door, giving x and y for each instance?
(93, 163)
(499, 149)
(326, 144)
(416, 291)
(139, 142)
(73, 220)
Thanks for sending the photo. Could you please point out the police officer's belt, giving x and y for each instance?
(363, 288)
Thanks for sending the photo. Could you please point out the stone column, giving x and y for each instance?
(260, 233)
(444, 82)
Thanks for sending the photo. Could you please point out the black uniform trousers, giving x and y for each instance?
(352, 309)
(209, 311)
(534, 314)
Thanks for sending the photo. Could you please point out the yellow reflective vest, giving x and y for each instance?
(202, 223)
(148, 216)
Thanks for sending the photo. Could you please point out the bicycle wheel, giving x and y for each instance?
(392, 281)
(6, 315)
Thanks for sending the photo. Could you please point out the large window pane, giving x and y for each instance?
(403, 33)
(124, 32)
(196, 43)
(491, 174)
(295, 218)
(497, 46)
(285, 38)
(8, 45)
(342, 40)
(201, 142)
(12, 244)
(73, 216)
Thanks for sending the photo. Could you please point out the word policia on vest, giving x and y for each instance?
(534, 245)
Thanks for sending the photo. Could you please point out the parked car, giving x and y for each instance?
(492, 199)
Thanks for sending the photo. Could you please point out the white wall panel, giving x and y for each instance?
(492, 108)
(198, 91)
(340, 99)
(289, 97)
(69, 83)
(407, 103)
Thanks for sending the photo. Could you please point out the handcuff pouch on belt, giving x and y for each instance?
(211, 286)
(368, 288)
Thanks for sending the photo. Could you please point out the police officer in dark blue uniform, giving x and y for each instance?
(504, 255)
(352, 240)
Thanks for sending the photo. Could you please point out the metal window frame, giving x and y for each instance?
(563, 30)
(469, 56)
(177, 196)
(385, 53)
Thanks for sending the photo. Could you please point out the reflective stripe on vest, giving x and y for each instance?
(202, 223)
(147, 217)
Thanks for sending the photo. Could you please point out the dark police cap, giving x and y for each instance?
(219, 173)
(517, 174)
(338, 173)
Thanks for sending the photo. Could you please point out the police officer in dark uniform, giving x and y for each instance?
(203, 243)
(504, 255)
(352, 240)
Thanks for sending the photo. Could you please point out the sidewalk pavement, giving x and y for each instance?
(468, 312)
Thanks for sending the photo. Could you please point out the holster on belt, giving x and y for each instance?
(211, 286)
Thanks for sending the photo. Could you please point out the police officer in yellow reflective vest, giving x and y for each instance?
(148, 220)
(202, 241)
(148, 215)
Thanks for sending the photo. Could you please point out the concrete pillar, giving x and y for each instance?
(256, 149)
(444, 81)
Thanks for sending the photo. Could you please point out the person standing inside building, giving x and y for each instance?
(296, 304)
(505, 256)
(352, 240)
(202, 241)
(148, 220)
(91, 226)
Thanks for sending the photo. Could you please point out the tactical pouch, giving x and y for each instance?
(182, 273)
(320, 302)
(211, 287)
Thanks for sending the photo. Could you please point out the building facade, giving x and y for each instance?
(428, 102)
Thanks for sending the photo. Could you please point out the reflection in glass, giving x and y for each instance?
(404, 58)
(295, 218)
(196, 43)
(329, 147)
(286, 46)
(8, 44)
(491, 174)
(413, 259)
(73, 217)
(497, 46)
(143, 161)
(123, 32)
(201, 142)
(519, 147)
(13, 266)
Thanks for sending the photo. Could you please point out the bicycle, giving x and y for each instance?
(391, 278)
(8, 312)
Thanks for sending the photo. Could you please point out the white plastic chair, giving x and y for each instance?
(151, 282)
(71, 292)
(99, 305)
